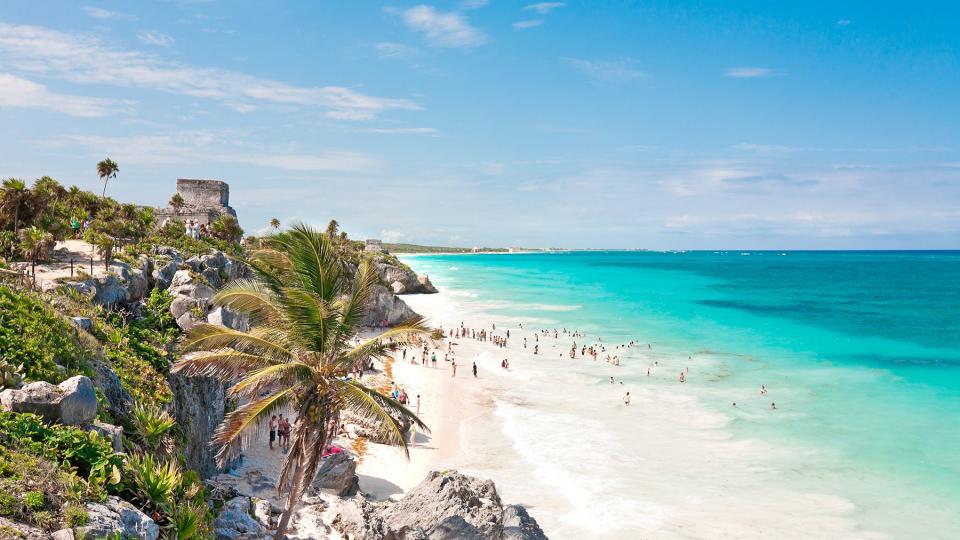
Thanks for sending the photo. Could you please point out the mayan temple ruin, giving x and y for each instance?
(203, 201)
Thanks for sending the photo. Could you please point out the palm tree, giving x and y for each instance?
(33, 242)
(12, 195)
(275, 223)
(176, 202)
(305, 310)
(106, 170)
(332, 228)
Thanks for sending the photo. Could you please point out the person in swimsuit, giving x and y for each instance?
(273, 430)
(626, 399)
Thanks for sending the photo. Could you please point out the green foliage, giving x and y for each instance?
(75, 516)
(226, 228)
(87, 453)
(10, 375)
(33, 335)
(172, 234)
(154, 482)
(151, 429)
(34, 500)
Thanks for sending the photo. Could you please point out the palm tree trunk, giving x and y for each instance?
(104, 194)
(293, 497)
(16, 219)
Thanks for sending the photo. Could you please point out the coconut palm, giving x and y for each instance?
(106, 170)
(305, 308)
(13, 194)
(33, 243)
(176, 202)
(275, 223)
(332, 228)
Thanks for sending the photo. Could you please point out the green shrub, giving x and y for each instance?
(88, 453)
(34, 335)
(8, 503)
(34, 500)
(75, 516)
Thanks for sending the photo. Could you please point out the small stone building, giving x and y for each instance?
(374, 246)
(203, 202)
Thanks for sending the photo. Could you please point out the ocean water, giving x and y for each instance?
(859, 350)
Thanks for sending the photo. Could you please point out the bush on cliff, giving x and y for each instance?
(33, 334)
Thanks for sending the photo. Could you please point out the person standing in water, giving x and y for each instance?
(626, 399)
(474, 369)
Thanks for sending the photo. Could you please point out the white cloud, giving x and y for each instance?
(106, 14)
(843, 22)
(152, 37)
(22, 93)
(530, 23)
(386, 49)
(544, 7)
(443, 29)
(751, 72)
(191, 147)
(391, 235)
(766, 148)
(607, 70)
(84, 59)
(473, 4)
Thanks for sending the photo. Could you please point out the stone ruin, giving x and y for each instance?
(203, 202)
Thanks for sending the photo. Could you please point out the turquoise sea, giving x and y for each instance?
(859, 350)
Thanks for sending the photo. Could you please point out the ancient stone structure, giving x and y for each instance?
(374, 246)
(203, 202)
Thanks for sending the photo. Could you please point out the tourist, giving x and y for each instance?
(474, 369)
(75, 224)
(453, 365)
(418, 404)
(682, 378)
(773, 406)
(763, 390)
(273, 430)
(626, 399)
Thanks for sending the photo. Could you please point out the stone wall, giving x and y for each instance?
(204, 193)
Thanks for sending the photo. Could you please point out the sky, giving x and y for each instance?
(604, 124)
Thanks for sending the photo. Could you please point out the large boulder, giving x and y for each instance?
(191, 298)
(338, 475)
(108, 290)
(403, 280)
(164, 272)
(425, 286)
(108, 431)
(119, 400)
(117, 516)
(445, 506)
(20, 531)
(212, 275)
(74, 401)
(199, 404)
(235, 522)
(384, 306)
(228, 318)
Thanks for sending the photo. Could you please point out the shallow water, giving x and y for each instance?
(859, 350)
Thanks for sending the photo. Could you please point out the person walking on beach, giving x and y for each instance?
(433, 360)
(273, 430)
(626, 399)
(418, 404)
(474, 369)
(453, 364)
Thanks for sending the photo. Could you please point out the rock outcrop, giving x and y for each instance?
(198, 405)
(235, 522)
(73, 402)
(119, 400)
(402, 280)
(385, 309)
(117, 516)
(446, 505)
(338, 475)
(191, 298)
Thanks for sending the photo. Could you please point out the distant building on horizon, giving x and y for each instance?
(203, 202)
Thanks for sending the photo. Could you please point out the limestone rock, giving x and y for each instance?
(235, 522)
(228, 318)
(108, 431)
(398, 287)
(449, 505)
(384, 306)
(118, 516)
(163, 274)
(263, 511)
(108, 291)
(22, 531)
(63, 534)
(198, 406)
(74, 401)
(193, 263)
(338, 474)
(106, 379)
(215, 259)
(82, 323)
(425, 286)
(212, 275)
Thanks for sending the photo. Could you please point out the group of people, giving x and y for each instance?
(79, 227)
(280, 429)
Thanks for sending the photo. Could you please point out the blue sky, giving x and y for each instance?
(579, 124)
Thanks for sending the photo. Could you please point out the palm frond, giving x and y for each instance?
(227, 434)
(249, 297)
(286, 374)
(261, 340)
(378, 411)
(224, 364)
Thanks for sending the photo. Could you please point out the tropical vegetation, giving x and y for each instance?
(305, 307)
